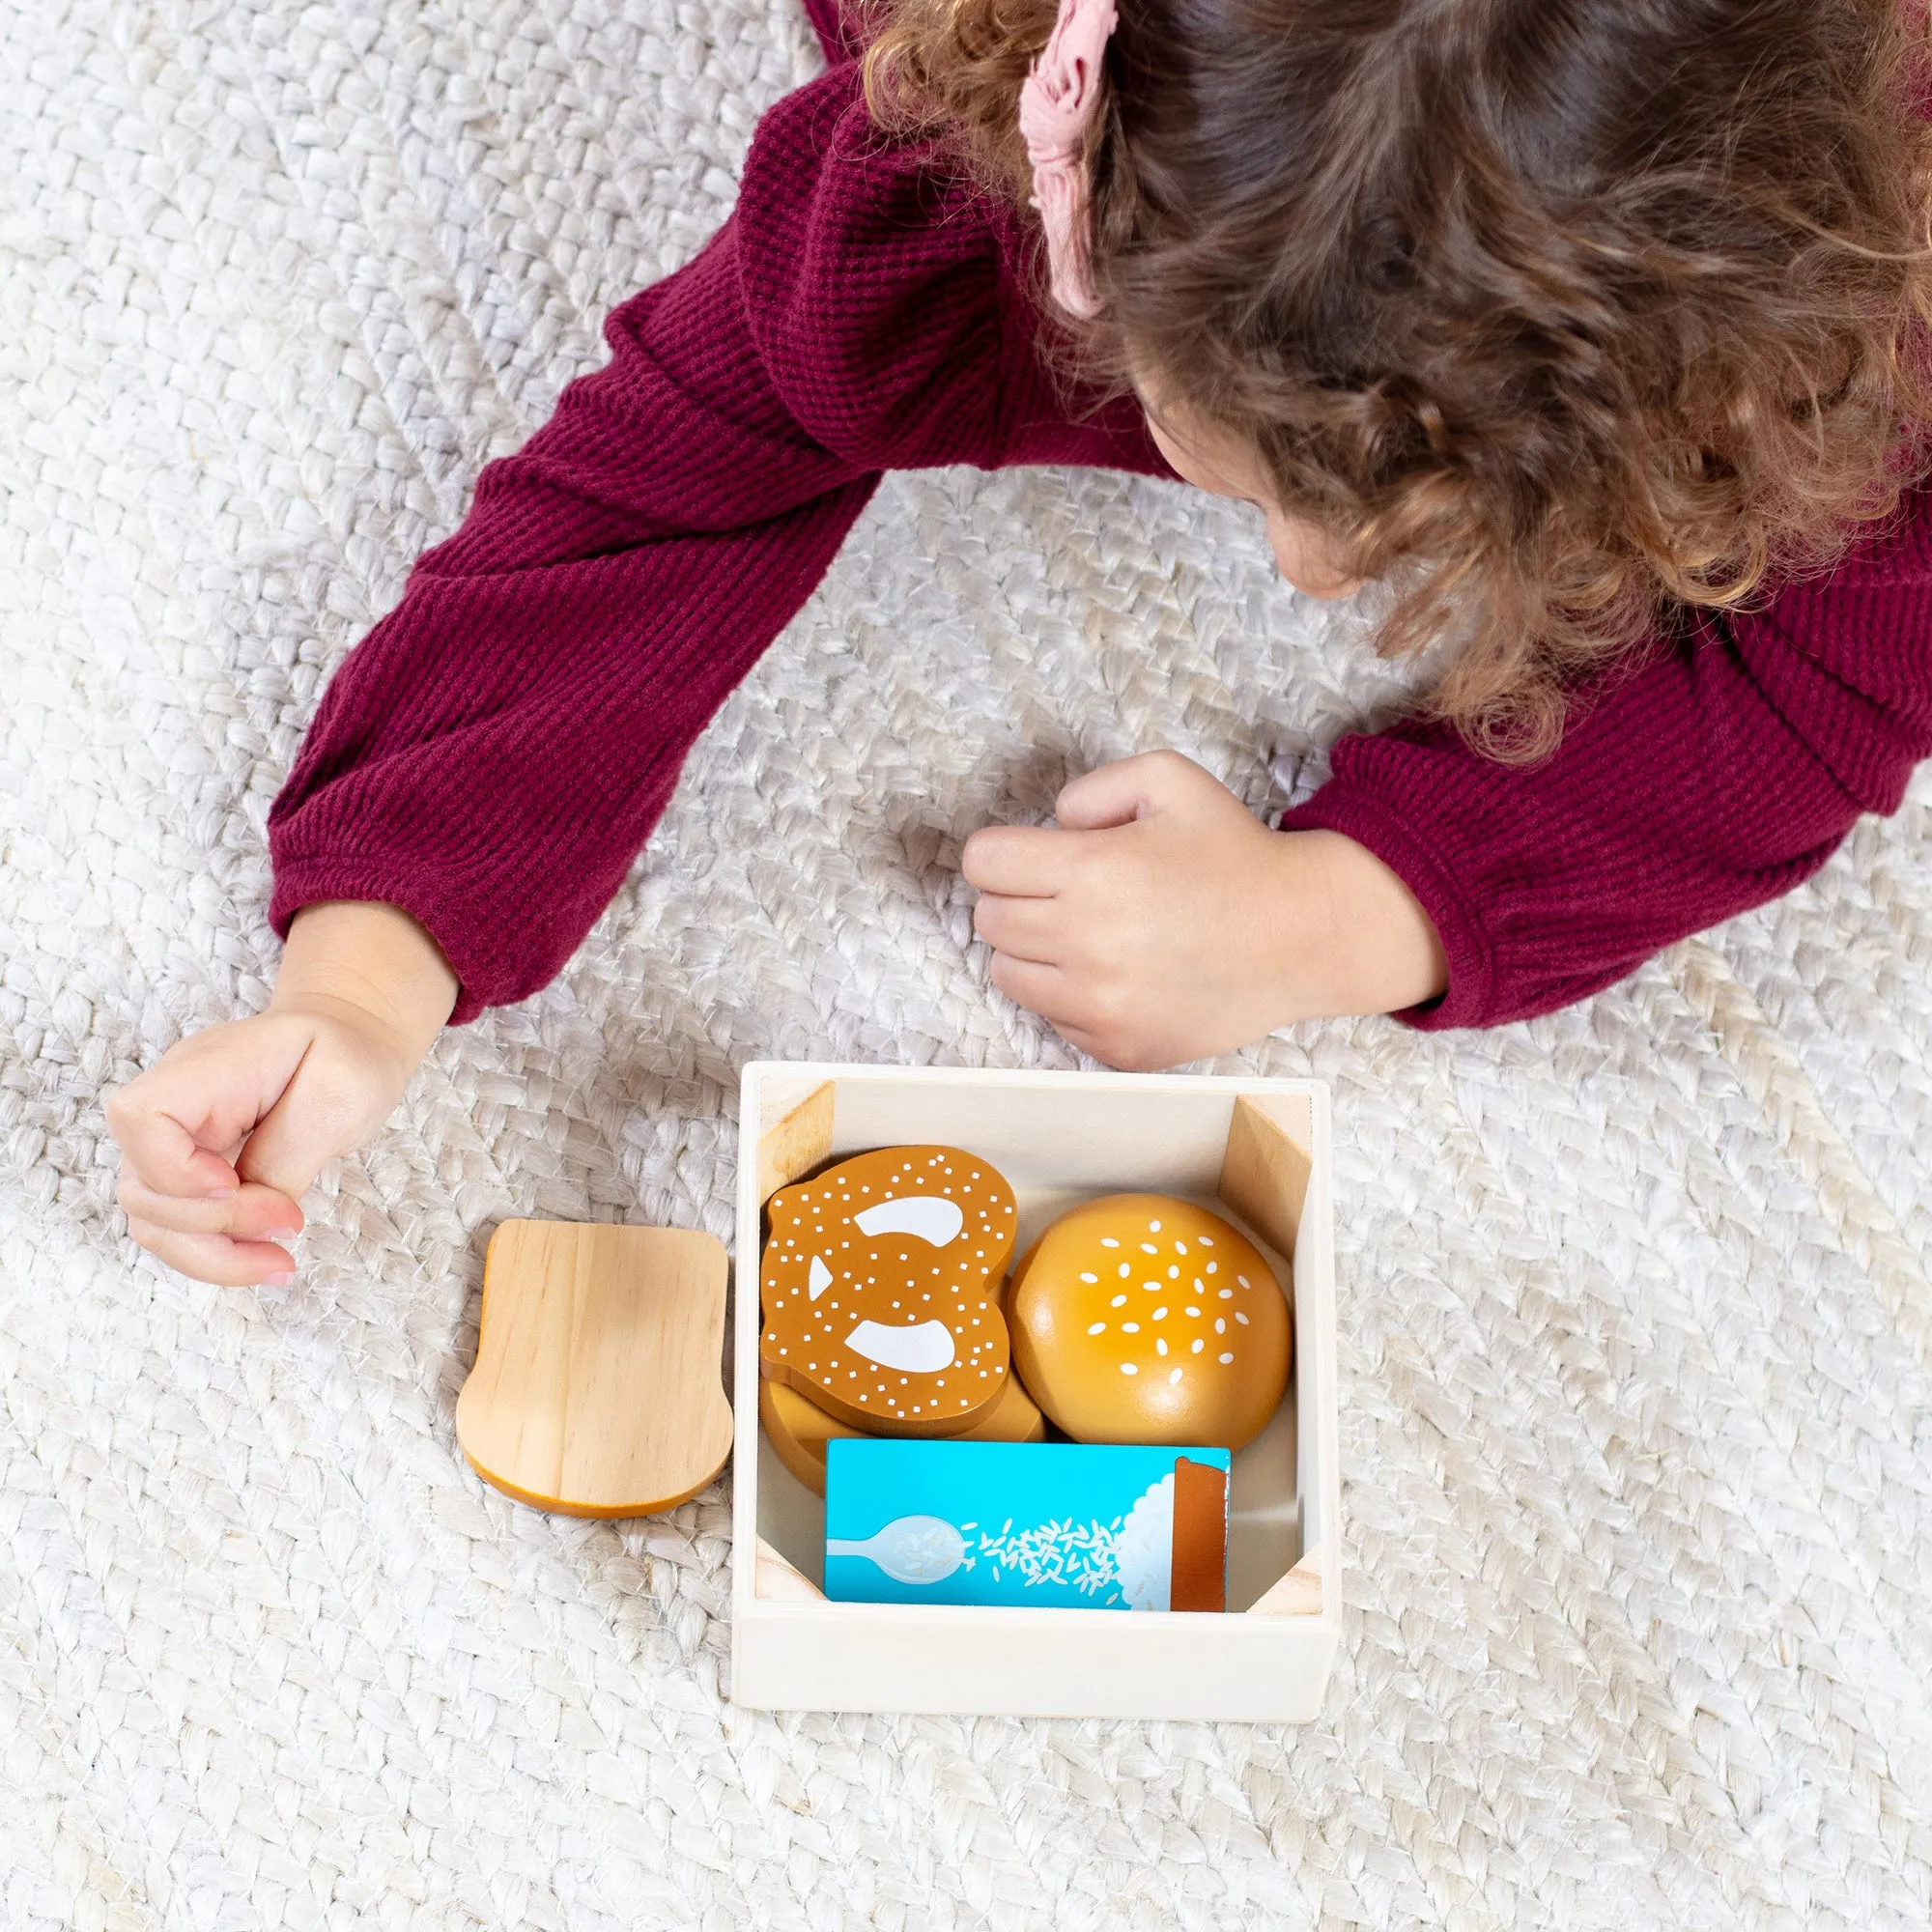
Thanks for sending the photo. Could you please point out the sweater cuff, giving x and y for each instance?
(298, 884)
(1358, 815)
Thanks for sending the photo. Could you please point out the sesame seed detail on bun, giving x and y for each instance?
(1173, 1370)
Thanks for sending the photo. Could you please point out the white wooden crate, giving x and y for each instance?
(1059, 1137)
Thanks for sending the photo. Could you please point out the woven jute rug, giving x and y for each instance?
(1635, 1430)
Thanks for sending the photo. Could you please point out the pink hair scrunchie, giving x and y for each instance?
(1057, 102)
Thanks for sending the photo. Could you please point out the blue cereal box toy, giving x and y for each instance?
(1053, 1525)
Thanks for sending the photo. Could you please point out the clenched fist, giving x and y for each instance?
(220, 1138)
(1162, 921)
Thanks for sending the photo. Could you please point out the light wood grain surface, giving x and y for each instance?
(796, 1142)
(596, 1391)
(1264, 1174)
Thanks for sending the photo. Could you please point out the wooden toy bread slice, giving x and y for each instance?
(597, 1390)
(880, 1285)
(799, 1428)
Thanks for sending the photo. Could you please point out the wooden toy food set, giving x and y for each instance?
(1017, 1452)
(1151, 1332)
(1254, 1153)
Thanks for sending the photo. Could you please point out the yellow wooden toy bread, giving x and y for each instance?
(596, 1389)
(880, 1287)
(1143, 1318)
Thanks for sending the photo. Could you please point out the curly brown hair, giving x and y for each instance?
(1559, 316)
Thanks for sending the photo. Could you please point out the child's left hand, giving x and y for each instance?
(1163, 922)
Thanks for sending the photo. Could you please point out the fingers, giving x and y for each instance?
(1034, 862)
(1074, 1013)
(158, 1144)
(1025, 928)
(315, 1119)
(1119, 793)
(207, 1093)
(216, 1258)
(1020, 861)
(230, 1240)
(1040, 989)
(184, 1130)
(255, 1212)
(226, 1133)
(1034, 968)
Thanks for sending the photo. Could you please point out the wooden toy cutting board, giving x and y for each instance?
(596, 1391)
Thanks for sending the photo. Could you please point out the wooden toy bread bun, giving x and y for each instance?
(799, 1428)
(1141, 1319)
(880, 1285)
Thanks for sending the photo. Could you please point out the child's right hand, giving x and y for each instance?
(221, 1138)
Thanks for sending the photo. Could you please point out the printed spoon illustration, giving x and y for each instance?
(909, 1549)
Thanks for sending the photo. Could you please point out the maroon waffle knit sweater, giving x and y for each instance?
(494, 753)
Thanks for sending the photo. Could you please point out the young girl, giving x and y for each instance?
(1592, 329)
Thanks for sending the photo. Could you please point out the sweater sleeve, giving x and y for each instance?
(494, 753)
(1708, 774)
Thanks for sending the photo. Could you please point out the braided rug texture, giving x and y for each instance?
(1634, 1320)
